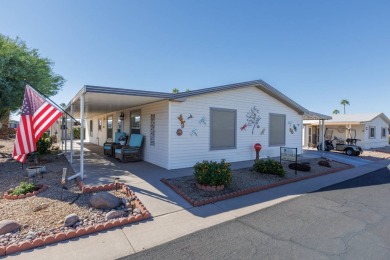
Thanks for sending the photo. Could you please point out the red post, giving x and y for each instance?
(257, 149)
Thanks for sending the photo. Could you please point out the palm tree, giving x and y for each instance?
(336, 111)
(344, 102)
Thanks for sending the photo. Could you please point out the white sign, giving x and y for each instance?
(288, 154)
(63, 179)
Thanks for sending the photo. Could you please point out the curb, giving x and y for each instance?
(238, 193)
(38, 242)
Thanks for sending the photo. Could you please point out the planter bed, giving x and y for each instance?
(246, 181)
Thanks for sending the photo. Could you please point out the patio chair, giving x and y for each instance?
(108, 145)
(131, 152)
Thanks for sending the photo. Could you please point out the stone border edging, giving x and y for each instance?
(234, 194)
(210, 187)
(42, 188)
(117, 222)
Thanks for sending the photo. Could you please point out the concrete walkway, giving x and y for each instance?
(173, 217)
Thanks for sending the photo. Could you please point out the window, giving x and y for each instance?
(135, 122)
(372, 132)
(277, 130)
(222, 128)
(383, 132)
(90, 128)
(100, 123)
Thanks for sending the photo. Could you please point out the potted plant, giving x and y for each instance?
(212, 176)
(122, 139)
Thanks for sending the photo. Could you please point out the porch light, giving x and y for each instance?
(116, 181)
(122, 116)
(257, 147)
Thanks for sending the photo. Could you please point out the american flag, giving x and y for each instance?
(36, 117)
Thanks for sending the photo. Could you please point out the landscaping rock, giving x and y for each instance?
(7, 226)
(70, 220)
(114, 214)
(303, 167)
(324, 163)
(104, 200)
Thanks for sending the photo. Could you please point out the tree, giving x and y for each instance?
(19, 63)
(336, 111)
(175, 91)
(344, 102)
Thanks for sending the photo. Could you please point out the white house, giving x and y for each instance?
(372, 129)
(208, 124)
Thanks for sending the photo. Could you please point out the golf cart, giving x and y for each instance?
(348, 146)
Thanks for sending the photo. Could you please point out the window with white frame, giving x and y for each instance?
(90, 128)
(277, 129)
(371, 133)
(100, 123)
(383, 132)
(223, 128)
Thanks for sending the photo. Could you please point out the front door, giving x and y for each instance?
(109, 126)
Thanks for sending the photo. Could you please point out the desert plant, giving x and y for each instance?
(269, 166)
(24, 188)
(43, 144)
(213, 173)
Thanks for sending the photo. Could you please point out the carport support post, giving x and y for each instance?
(82, 137)
(66, 133)
(71, 133)
(323, 134)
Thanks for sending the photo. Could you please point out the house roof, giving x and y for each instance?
(356, 119)
(100, 100)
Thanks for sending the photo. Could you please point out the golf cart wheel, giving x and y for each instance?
(349, 152)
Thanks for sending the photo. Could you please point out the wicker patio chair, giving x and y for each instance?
(131, 152)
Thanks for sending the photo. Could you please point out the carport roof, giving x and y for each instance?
(101, 100)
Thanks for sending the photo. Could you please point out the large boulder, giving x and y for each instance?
(70, 220)
(104, 200)
(7, 226)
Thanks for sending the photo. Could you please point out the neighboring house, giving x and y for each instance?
(372, 129)
(13, 124)
(208, 124)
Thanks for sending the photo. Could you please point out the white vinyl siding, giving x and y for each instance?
(189, 148)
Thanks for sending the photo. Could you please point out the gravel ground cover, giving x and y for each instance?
(43, 214)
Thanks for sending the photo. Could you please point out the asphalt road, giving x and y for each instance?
(349, 220)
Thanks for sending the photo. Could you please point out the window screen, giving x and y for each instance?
(372, 131)
(222, 128)
(277, 130)
(383, 135)
(90, 128)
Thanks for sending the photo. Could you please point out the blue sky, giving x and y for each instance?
(315, 52)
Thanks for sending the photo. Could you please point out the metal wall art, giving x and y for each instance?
(252, 119)
(182, 121)
(152, 129)
(293, 127)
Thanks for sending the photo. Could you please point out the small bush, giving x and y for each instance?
(44, 143)
(269, 166)
(24, 188)
(213, 173)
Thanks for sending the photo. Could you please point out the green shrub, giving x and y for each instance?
(24, 188)
(44, 143)
(213, 173)
(76, 132)
(269, 166)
